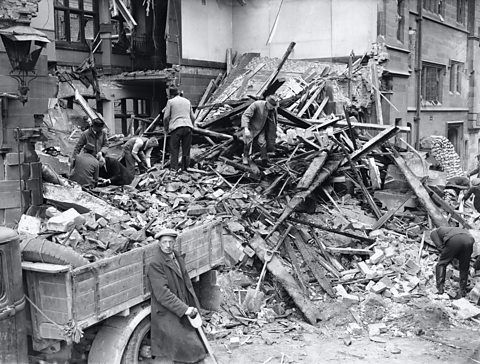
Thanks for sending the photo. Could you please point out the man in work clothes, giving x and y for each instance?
(173, 339)
(113, 172)
(259, 123)
(86, 169)
(178, 121)
(95, 135)
(139, 150)
(453, 242)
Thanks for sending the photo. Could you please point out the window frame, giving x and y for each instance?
(3, 282)
(461, 12)
(440, 72)
(455, 73)
(82, 13)
(401, 6)
(435, 6)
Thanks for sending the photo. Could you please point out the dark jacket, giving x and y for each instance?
(116, 172)
(86, 170)
(474, 190)
(99, 140)
(443, 234)
(172, 336)
(258, 118)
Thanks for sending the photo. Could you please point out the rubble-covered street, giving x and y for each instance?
(239, 181)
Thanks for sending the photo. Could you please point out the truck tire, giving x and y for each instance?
(132, 350)
(46, 251)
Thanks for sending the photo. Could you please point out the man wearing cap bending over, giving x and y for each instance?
(259, 123)
(453, 242)
(138, 149)
(86, 169)
(95, 135)
(178, 121)
(173, 339)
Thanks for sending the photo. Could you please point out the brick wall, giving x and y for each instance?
(18, 11)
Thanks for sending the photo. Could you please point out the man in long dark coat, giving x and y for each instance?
(173, 339)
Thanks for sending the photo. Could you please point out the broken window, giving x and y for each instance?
(456, 69)
(75, 20)
(461, 11)
(432, 80)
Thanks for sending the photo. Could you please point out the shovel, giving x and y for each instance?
(196, 322)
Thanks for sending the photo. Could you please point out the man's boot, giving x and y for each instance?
(440, 272)
(264, 156)
(463, 288)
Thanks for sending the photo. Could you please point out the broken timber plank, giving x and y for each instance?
(320, 108)
(310, 100)
(309, 258)
(295, 265)
(422, 194)
(372, 143)
(212, 134)
(277, 268)
(348, 251)
(447, 207)
(225, 116)
(240, 166)
(342, 122)
(293, 118)
(275, 73)
(312, 171)
(331, 230)
(391, 212)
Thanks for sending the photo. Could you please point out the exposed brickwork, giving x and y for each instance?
(18, 10)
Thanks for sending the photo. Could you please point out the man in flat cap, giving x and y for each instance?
(94, 135)
(86, 170)
(173, 339)
(259, 123)
(453, 242)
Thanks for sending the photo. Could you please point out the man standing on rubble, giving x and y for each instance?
(138, 149)
(173, 339)
(259, 123)
(86, 169)
(178, 119)
(95, 135)
(453, 242)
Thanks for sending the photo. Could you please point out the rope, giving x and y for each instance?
(70, 330)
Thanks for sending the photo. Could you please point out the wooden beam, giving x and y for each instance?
(422, 194)
(293, 118)
(225, 116)
(318, 271)
(372, 143)
(275, 73)
(277, 267)
(402, 129)
(212, 134)
(391, 212)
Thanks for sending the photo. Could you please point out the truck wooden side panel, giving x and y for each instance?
(91, 293)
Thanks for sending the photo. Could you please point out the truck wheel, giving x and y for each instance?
(140, 338)
(46, 251)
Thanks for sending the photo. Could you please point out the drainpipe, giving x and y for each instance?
(418, 70)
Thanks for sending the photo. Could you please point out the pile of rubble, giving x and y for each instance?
(338, 215)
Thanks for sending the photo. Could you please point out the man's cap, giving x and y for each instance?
(476, 182)
(98, 122)
(166, 232)
(89, 147)
(272, 100)
(173, 91)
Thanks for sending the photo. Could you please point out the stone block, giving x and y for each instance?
(11, 159)
(377, 257)
(465, 309)
(65, 221)
(29, 225)
(196, 210)
(379, 287)
(364, 268)
(389, 252)
(412, 267)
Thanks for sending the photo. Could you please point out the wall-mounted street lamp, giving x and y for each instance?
(23, 45)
